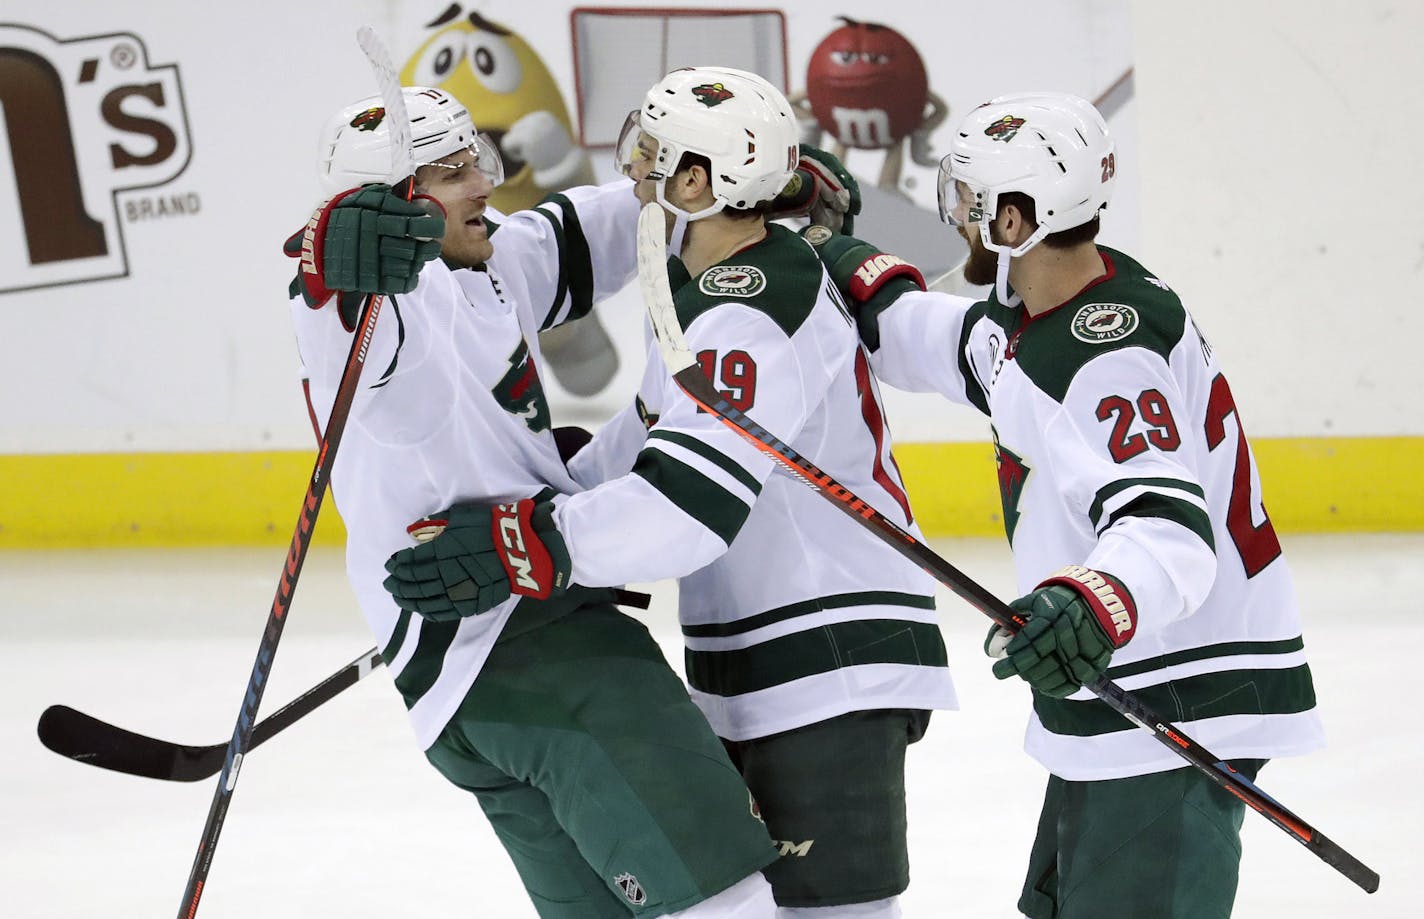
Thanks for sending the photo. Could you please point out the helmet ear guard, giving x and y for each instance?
(355, 142)
(1053, 147)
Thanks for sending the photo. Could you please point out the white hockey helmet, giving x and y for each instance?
(356, 142)
(1052, 147)
(739, 121)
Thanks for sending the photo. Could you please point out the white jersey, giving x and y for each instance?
(450, 408)
(791, 612)
(1120, 448)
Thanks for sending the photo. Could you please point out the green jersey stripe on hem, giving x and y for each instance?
(817, 650)
(791, 611)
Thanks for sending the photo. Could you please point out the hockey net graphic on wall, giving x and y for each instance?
(621, 51)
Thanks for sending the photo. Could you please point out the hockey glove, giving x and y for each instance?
(869, 279)
(1076, 619)
(364, 241)
(822, 190)
(473, 556)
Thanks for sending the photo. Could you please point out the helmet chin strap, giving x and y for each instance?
(1006, 255)
(679, 233)
(683, 218)
(1001, 277)
(1001, 280)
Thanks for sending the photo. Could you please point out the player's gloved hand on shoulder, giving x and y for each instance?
(869, 279)
(473, 556)
(365, 241)
(822, 190)
(1075, 620)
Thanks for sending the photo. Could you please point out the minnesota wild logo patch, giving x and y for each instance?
(710, 94)
(1099, 323)
(1013, 475)
(519, 391)
(1005, 128)
(369, 120)
(732, 281)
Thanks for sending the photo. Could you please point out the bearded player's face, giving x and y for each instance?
(982, 265)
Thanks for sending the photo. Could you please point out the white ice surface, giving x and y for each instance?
(340, 816)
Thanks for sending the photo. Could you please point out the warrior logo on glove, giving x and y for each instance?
(1111, 605)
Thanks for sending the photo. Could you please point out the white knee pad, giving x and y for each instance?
(749, 898)
(889, 908)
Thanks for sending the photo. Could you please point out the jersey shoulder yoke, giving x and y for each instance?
(780, 276)
(1131, 308)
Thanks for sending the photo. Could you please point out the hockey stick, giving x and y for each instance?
(688, 375)
(85, 739)
(402, 167)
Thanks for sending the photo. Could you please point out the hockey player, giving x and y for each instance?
(602, 780)
(812, 648)
(1132, 504)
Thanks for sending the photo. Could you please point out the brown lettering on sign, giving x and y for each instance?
(57, 227)
(164, 140)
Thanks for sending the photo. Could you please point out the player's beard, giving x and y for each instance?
(982, 265)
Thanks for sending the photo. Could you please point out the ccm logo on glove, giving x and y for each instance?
(530, 569)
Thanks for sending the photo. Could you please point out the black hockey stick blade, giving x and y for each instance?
(86, 739)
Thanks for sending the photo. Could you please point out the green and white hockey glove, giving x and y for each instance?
(869, 279)
(473, 556)
(822, 190)
(364, 241)
(1076, 619)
